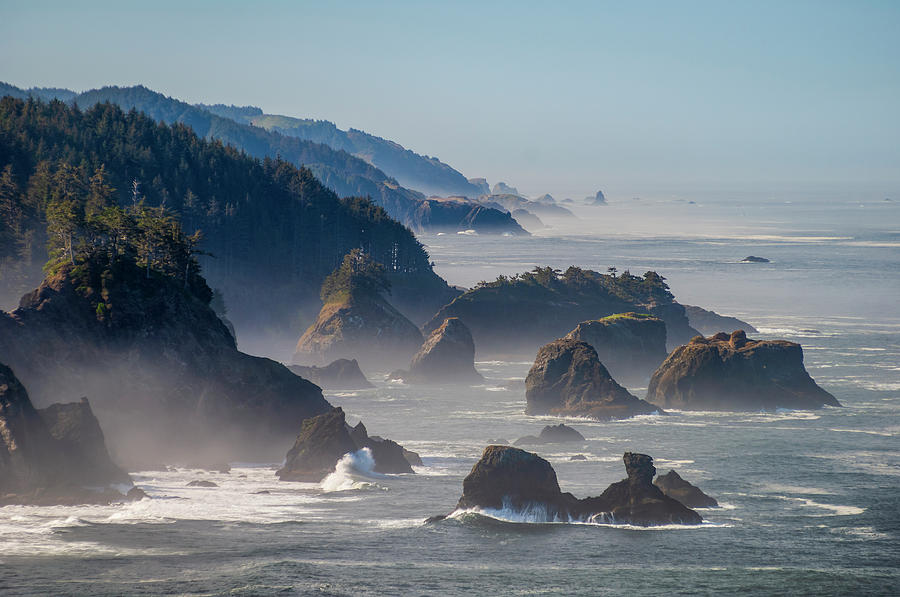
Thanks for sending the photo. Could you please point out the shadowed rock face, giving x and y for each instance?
(341, 374)
(447, 356)
(710, 322)
(507, 477)
(327, 437)
(733, 373)
(54, 456)
(677, 488)
(366, 328)
(630, 345)
(567, 378)
(161, 369)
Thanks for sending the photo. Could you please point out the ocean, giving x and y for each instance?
(809, 500)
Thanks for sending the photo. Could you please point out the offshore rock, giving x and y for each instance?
(568, 379)
(630, 345)
(552, 434)
(447, 356)
(327, 437)
(709, 322)
(507, 478)
(677, 488)
(340, 374)
(738, 374)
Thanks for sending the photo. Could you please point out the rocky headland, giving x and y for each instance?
(630, 345)
(568, 379)
(512, 480)
(710, 322)
(734, 373)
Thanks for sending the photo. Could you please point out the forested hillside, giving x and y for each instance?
(423, 173)
(274, 231)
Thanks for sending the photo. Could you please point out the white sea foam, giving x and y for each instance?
(349, 469)
(538, 514)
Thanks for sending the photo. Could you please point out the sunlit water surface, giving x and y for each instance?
(809, 500)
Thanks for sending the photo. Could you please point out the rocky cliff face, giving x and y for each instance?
(52, 456)
(327, 437)
(630, 345)
(162, 371)
(447, 356)
(341, 374)
(568, 379)
(709, 322)
(733, 373)
(366, 328)
(510, 478)
(455, 215)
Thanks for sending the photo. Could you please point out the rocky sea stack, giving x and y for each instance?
(327, 437)
(356, 321)
(709, 322)
(447, 356)
(734, 373)
(511, 479)
(552, 434)
(52, 456)
(340, 374)
(630, 345)
(677, 488)
(568, 379)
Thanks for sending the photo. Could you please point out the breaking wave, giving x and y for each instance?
(348, 469)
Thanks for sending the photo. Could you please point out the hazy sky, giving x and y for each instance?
(560, 97)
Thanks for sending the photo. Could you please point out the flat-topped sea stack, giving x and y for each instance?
(357, 322)
(340, 374)
(514, 316)
(677, 488)
(630, 345)
(52, 456)
(447, 356)
(507, 478)
(324, 439)
(733, 373)
(568, 379)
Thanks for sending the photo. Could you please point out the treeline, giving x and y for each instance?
(271, 227)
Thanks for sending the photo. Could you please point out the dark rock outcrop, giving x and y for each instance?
(598, 199)
(510, 478)
(568, 379)
(710, 322)
(201, 483)
(340, 374)
(327, 437)
(447, 356)
(552, 434)
(55, 456)
(677, 488)
(754, 259)
(453, 215)
(162, 371)
(734, 373)
(364, 327)
(630, 345)
(514, 316)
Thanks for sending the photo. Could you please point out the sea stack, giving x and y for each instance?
(340, 374)
(568, 379)
(630, 345)
(507, 478)
(733, 373)
(677, 488)
(447, 356)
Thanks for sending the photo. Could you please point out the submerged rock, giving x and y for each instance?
(340, 374)
(552, 434)
(201, 483)
(734, 373)
(324, 439)
(447, 356)
(754, 259)
(507, 478)
(677, 488)
(630, 345)
(568, 379)
(54, 456)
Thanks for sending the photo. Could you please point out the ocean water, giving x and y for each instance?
(809, 499)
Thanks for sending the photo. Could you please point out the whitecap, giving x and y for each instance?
(347, 470)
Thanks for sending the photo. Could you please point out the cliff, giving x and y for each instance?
(734, 373)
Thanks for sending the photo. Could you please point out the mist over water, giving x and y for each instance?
(809, 498)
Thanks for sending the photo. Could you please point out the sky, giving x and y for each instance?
(559, 97)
